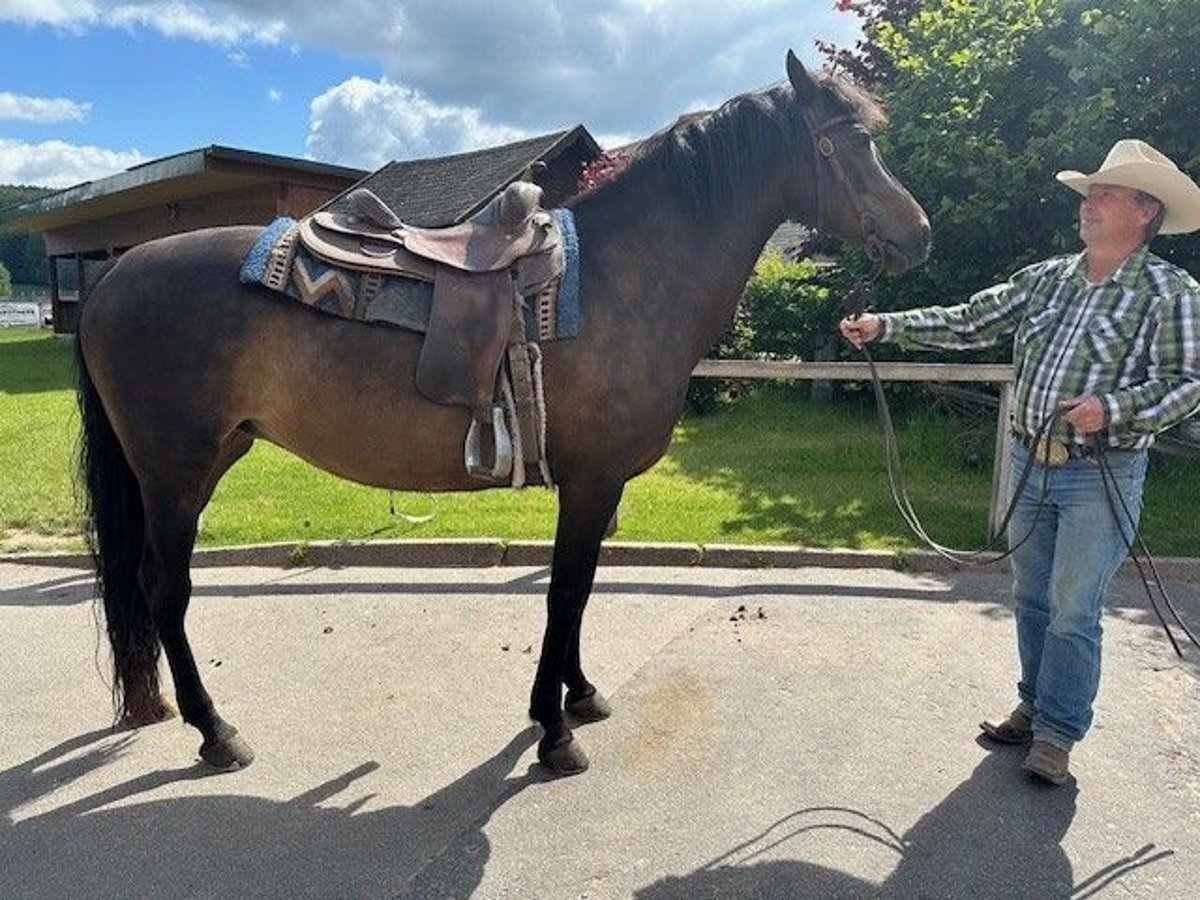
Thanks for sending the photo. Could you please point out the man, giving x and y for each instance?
(1110, 339)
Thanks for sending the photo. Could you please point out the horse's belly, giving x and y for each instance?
(398, 454)
(348, 404)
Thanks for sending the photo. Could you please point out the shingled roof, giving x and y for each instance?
(448, 189)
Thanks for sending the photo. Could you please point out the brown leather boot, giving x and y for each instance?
(1016, 729)
(1047, 762)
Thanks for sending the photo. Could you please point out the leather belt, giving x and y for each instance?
(1053, 452)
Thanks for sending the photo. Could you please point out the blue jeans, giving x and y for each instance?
(1060, 574)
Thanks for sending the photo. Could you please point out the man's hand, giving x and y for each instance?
(1085, 413)
(860, 330)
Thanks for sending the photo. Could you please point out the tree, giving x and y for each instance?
(24, 255)
(5, 281)
(989, 98)
(22, 252)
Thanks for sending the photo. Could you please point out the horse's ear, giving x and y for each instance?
(803, 83)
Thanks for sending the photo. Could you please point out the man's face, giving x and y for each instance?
(1114, 215)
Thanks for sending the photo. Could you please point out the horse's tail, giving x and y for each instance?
(114, 528)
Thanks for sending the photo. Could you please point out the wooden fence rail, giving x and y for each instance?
(995, 373)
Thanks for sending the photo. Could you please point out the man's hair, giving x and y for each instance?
(1153, 226)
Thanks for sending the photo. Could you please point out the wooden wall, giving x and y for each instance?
(79, 246)
(256, 204)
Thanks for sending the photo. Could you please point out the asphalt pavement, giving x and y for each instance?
(802, 732)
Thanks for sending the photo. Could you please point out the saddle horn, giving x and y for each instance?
(367, 207)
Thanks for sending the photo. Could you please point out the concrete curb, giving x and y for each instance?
(489, 552)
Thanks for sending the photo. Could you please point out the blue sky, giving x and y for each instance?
(88, 88)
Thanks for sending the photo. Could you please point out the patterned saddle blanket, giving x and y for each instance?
(280, 261)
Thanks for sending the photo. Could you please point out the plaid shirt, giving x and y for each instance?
(1133, 340)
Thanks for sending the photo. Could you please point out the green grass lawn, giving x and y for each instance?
(38, 427)
(773, 468)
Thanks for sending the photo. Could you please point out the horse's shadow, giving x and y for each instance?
(110, 845)
(995, 837)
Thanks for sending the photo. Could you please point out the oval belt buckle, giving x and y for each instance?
(1051, 453)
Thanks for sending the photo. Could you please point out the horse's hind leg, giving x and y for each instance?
(143, 702)
(584, 512)
(171, 520)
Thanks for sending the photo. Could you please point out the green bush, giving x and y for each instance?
(705, 394)
(788, 310)
(791, 308)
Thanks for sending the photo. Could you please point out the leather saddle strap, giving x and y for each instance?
(469, 324)
(520, 368)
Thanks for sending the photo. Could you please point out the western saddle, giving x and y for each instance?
(481, 271)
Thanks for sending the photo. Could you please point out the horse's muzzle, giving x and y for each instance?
(894, 256)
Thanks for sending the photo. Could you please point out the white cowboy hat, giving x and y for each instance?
(1135, 164)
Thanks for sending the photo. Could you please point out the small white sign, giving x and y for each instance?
(19, 313)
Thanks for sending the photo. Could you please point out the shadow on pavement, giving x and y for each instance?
(995, 837)
(987, 589)
(66, 590)
(239, 846)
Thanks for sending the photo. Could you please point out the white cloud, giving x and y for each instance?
(207, 22)
(618, 66)
(20, 108)
(57, 164)
(212, 22)
(367, 123)
(274, 95)
(60, 13)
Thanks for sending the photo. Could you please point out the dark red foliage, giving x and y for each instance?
(865, 64)
(603, 167)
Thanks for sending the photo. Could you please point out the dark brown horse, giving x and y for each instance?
(182, 367)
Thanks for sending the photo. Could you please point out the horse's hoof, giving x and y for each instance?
(592, 708)
(147, 712)
(227, 754)
(564, 758)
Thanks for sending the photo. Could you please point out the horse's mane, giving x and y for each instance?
(707, 156)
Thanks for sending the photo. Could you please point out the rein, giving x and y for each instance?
(855, 305)
(1148, 582)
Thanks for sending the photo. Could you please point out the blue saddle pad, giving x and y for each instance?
(279, 261)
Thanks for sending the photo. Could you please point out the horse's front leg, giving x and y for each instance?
(584, 513)
(584, 704)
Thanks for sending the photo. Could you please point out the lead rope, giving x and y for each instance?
(1133, 536)
(855, 306)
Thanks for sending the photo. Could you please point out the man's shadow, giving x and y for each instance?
(997, 836)
(109, 845)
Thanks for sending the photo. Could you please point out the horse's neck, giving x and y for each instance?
(680, 267)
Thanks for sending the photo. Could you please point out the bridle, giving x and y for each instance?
(825, 149)
(853, 305)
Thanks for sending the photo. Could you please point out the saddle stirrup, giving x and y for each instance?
(502, 448)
